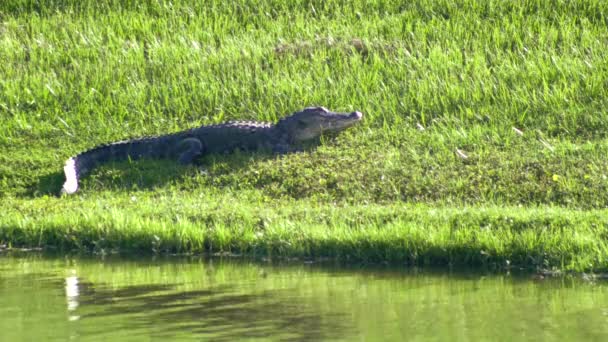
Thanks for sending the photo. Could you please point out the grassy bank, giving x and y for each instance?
(494, 105)
(493, 237)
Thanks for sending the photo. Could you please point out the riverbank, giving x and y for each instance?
(483, 140)
(541, 238)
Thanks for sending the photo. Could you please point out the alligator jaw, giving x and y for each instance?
(313, 122)
(342, 121)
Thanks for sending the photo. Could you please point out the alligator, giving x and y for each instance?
(287, 135)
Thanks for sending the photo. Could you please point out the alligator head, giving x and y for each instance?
(312, 122)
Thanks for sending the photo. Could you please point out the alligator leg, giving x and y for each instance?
(281, 149)
(192, 148)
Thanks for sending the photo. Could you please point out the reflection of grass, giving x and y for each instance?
(466, 103)
(172, 299)
(220, 313)
(180, 298)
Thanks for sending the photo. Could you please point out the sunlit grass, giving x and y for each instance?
(466, 103)
(494, 237)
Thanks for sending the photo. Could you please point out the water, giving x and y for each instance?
(113, 299)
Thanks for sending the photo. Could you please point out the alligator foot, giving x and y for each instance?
(195, 149)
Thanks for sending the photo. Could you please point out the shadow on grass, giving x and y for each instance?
(49, 185)
(146, 174)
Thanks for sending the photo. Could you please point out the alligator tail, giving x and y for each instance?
(80, 165)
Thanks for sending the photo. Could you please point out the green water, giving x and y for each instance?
(113, 299)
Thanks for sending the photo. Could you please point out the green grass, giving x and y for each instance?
(496, 237)
(471, 107)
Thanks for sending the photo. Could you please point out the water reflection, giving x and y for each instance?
(175, 299)
(221, 312)
(71, 294)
